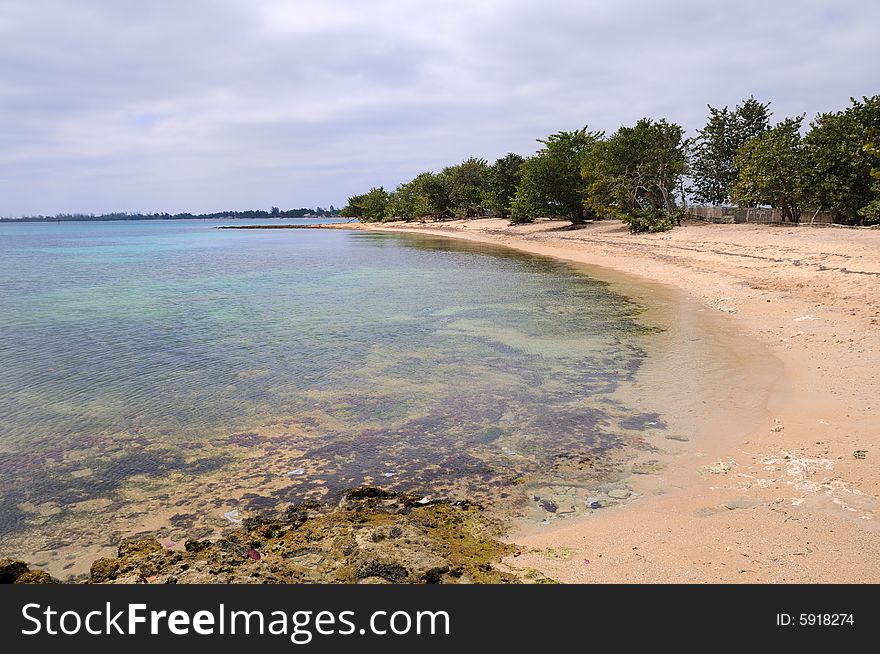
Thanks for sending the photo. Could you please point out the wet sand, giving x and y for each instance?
(754, 478)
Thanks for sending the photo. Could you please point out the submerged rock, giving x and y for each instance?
(373, 535)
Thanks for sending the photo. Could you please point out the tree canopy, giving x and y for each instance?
(467, 187)
(504, 178)
(771, 169)
(638, 173)
(713, 150)
(837, 165)
(551, 184)
(635, 174)
(369, 207)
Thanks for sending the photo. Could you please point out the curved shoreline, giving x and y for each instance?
(768, 494)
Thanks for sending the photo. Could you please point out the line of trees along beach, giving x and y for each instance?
(647, 173)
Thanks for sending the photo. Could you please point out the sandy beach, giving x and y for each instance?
(768, 471)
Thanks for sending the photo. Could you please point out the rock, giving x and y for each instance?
(393, 572)
(619, 493)
(138, 546)
(647, 467)
(193, 545)
(11, 569)
(721, 467)
(559, 553)
(368, 493)
(103, 570)
(36, 577)
(435, 575)
(741, 503)
(547, 505)
(371, 536)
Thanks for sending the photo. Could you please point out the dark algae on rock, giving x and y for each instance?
(372, 536)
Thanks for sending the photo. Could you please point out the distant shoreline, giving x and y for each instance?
(293, 214)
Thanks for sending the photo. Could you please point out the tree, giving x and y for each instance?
(551, 184)
(634, 174)
(369, 207)
(870, 213)
(838, 171)
(504, 176)
(402, 203)
(467, 186)
(712, 164)
(772, 168)
(425, 195)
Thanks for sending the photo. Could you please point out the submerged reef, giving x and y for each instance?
(372, 535)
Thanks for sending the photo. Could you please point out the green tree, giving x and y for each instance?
(368, 207)
(504, 177)
(551, 184)
(403, 203)
(772, 169)
(870, 213)
(432, 196)
(838, 170)
(426, 195)
(467, 187)
(712, 163)
(634, 175)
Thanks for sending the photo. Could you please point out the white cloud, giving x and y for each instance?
(210, 105)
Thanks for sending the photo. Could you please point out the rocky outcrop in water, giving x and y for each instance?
(372, 536)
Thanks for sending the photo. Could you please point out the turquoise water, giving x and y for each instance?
(163, 375)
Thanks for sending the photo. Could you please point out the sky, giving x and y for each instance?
(154, 105)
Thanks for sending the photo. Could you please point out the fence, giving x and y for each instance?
(758, 216)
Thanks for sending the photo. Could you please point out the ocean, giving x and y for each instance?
(171, 378)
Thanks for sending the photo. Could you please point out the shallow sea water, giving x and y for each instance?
(172, 378)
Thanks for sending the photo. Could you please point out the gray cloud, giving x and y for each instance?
(161, 105)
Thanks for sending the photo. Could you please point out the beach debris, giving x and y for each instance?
(388, 474)
(650, 467)
(809, 316)
(586, 561)
(860, 454)
(548, 505)
(558, 553)
(740, 503)
(254, 554)
(594, 503)
(424, 500)
(545, 522)
(233, 517)
(720, 306)
(297, 472)
(677, 437)
(720, 467)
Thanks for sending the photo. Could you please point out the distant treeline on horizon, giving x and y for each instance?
(274, 212)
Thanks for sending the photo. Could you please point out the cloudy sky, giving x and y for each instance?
(154, 105)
